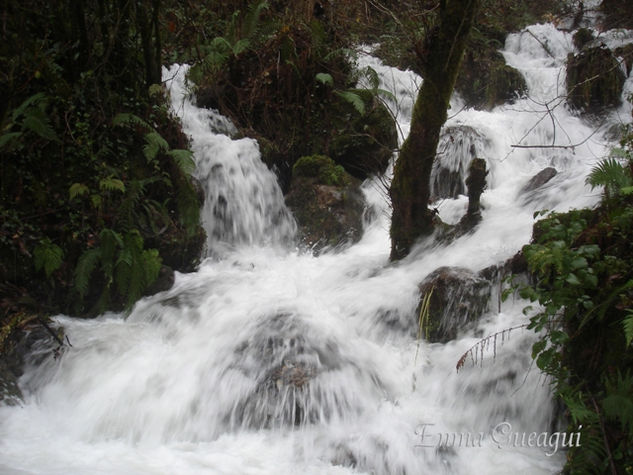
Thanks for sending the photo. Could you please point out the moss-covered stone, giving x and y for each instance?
(594, 80)
(326, 202)
(485, 79)
(458, 297)
(322, 169)
(582, 37)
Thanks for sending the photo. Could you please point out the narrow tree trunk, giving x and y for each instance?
(410, 188)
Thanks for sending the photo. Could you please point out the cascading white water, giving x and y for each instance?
(271, 361)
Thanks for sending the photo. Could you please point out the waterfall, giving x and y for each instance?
(268, 360)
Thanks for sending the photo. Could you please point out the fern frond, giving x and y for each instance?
(48, 256)
(111, 184)
(251, 20)
(154, 143)
(610, 174)
(85, 267)
(354, 99)
(127, 118)
(77, 189)
(627, 323)
(184, 160)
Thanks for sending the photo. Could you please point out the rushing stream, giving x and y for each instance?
(269, 360)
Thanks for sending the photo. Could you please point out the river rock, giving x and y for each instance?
(459, 296)
(539, 179)
(299, 375)
(326, 202)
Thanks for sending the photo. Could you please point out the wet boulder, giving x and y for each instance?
(326, 202)
(298, 376)
(486, 81)
(458, 296)
(594, 80)
(540, 179)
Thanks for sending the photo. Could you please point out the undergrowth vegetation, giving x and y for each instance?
(95, 194)
(582, 268)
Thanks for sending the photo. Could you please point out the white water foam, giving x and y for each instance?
(271, 361)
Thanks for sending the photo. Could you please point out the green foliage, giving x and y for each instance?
(613, 176)
(124, 265)
(582, 266)
(322, 168)
(48, 257)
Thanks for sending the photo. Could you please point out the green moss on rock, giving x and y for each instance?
(321, 168)
(326, 202)
(594, 80)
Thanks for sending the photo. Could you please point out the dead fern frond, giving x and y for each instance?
(476, 352)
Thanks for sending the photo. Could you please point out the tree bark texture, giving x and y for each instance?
(410, 188)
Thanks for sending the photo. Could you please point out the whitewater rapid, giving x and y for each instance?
(192, 381)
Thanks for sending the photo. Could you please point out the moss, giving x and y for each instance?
(485, 79)
(594, 80)
(323, 169)
(582, 37)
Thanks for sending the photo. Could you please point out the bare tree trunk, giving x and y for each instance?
(410, 188)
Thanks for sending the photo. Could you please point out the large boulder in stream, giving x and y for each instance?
(297, 375)
(594, 80)
(458, 296)
(326, 202)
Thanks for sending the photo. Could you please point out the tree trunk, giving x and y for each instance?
(410, 188)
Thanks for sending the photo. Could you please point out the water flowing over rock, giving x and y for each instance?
(458, 297)
(458, 146)
(272, 360)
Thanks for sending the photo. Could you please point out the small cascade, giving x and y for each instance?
(243, 203)
(267, 360)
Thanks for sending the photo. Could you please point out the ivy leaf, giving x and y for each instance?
(572, 279)
(325, 78)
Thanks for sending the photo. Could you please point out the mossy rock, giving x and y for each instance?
(363, 143)
(326, 202)
(322, 168)
(458, 297)
(594, 80)
(582, 37)
(485, 79)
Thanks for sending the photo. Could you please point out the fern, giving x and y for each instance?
(154, 143)
(47, 256)
(184, 160)
(354, 99)
(85, 267)
(77, 189)
(111, 184)
(127, 118)
(610, 174)
(627, 324)
(618, 404)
